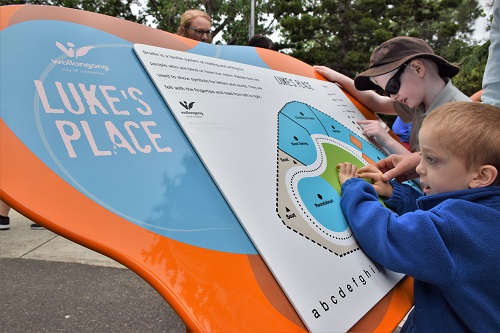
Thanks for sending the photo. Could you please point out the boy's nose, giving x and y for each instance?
(420, 169)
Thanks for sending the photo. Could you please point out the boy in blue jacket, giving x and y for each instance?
(448, 238)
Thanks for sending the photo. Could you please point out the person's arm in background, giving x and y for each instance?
(491, 78)
(373, 101)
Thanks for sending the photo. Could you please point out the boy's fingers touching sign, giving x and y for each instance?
(346, 171)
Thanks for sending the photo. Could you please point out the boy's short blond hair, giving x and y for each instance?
(470, 131)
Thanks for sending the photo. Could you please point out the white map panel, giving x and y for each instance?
(271, 141)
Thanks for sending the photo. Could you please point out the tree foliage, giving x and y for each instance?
(230, 19)
(340, 34)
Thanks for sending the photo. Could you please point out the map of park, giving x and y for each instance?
(310, 145)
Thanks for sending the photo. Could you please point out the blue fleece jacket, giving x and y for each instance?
(450, 245)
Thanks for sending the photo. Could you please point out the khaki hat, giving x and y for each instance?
(396, 51)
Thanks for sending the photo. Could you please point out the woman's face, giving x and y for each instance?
(199, 30)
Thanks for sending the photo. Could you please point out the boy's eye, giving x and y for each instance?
(431, 160)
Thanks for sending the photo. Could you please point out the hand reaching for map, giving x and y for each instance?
(334, 76)
(347, 171)
(401, 167)
(371, 172)
(375, 129)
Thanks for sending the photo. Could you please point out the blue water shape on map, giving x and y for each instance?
(314, 191)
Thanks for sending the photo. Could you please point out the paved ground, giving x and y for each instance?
(50, 284)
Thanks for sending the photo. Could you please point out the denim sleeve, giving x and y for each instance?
(491, 78)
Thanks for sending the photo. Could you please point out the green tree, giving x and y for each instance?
(470, 77)
(342, 33)
(230, 19)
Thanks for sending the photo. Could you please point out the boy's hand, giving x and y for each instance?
(371, 172)
(375, 129)
(328, 73)
(346, 171)
(401, 167)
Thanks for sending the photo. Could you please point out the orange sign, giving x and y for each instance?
(90, 150)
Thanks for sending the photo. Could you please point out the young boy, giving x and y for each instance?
(403, 167)
(447, 239)
(416, 79)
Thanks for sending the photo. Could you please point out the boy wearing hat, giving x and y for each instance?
(403, 167)
(414, 78)
(447, 238)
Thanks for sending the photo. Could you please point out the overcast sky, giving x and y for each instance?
(481, 24)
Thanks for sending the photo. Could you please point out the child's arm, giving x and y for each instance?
(397, 242)
(371, 172)
(374, 129)
(401, 198)
(369, 98)
(347, 171)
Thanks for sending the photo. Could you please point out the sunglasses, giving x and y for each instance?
(394, 83)
(200, 32)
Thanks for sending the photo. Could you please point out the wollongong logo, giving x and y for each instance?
(79, 52)
(188, 107)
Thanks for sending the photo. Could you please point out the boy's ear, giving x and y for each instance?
(487, 174)
(418, 67)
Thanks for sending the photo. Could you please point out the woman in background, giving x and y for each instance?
(195, 24)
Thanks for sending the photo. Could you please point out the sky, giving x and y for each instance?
(480, 33)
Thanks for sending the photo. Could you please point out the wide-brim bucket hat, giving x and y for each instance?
(396, 51)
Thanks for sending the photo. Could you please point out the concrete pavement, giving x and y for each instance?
(50, 284)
